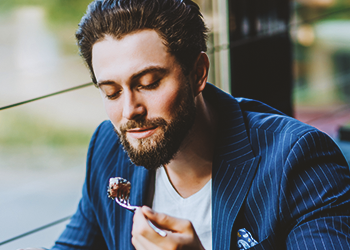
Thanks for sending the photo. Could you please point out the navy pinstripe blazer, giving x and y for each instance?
(284, 181)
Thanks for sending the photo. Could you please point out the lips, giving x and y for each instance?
(141, 133)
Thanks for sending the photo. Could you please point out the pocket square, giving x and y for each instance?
(245, 240)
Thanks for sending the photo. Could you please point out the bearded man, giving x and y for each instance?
(218, 172)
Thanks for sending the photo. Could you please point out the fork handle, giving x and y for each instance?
(156, 229)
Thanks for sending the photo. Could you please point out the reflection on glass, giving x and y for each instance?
(215, 14)
(258, 18)
(322, 63)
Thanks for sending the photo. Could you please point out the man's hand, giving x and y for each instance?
(180, 232)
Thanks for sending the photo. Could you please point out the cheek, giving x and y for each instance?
(167, 103)
(113, 112)
(110, 109)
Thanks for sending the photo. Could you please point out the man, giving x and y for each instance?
(218, 172)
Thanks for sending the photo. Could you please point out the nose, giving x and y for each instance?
(133, 107)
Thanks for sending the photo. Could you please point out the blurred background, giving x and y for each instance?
(293, 55)
(43, 144)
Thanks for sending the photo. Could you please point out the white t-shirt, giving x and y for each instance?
(196, 208)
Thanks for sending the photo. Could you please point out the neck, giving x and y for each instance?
(191, 168)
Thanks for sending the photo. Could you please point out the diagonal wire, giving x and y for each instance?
(337, 11)
(35, 230)
(329, 114)
(45, 96)
(274, 32)
(210, 51)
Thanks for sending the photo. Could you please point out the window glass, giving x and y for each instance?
(43, 144)
(215, 13)
(320, 31)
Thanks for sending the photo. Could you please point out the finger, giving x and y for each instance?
(141, 243)
(141, 226)
(143, 236)
(139, 219)
(137, 243)
(167, 222)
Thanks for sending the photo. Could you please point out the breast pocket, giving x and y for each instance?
(266, 244)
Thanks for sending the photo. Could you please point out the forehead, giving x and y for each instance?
(118, 59)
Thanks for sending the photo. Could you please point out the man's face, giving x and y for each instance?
(146, 96)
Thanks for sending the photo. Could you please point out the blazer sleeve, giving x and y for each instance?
(315, 195)
(83, 231)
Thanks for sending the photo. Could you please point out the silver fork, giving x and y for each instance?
(123, 199)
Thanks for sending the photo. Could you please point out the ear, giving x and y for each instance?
(200, 73)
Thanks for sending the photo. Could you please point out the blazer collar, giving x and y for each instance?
(234, 165)
(233, 144)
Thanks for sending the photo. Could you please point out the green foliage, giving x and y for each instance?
(339, 11)
(347, 125)
(66, 11)
(22, 129)
(58, 11)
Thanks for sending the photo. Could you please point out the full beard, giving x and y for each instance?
(160, 148)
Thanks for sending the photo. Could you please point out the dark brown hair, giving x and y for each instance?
(178, 22)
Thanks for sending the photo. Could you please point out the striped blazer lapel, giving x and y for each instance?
(234, 167)
(230, 187)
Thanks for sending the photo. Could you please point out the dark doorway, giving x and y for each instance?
(261, 52)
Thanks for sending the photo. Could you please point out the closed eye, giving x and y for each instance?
(150, 86)
(114, 95)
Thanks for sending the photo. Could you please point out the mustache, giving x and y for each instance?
(154, 122)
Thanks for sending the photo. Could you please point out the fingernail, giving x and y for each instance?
(149, 210)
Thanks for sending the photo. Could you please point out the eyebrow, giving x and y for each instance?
(139, 74)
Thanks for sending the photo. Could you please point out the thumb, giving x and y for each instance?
(166, 221)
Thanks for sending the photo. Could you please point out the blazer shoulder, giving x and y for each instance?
(260, 116)
(105, 131)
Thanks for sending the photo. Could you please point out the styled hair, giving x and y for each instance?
(179, 23)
